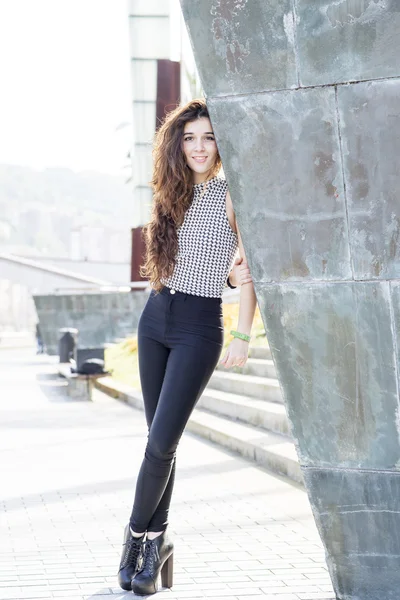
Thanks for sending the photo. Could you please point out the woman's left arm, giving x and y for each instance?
(237, 352)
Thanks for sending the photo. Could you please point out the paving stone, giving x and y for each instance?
(62, 463)
(269, 596)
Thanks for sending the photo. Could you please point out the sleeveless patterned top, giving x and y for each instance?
(206, 243)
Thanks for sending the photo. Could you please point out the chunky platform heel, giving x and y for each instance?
(157, 559)
(167, 572)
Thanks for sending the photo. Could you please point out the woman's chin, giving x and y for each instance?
(201, 169)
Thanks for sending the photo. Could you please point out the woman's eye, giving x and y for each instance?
(209, 138)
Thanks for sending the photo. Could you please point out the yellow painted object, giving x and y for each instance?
(122, 360)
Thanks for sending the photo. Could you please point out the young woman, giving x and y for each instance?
(191, 241)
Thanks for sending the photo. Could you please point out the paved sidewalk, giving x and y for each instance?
(67, 472)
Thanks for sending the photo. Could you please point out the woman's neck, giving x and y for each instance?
(201, 177)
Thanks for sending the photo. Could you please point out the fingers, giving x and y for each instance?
(239, 364)
(244, 274)
(230, 361)
(240, 273)
(224, 359)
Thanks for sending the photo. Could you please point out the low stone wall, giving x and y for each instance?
(99, 317)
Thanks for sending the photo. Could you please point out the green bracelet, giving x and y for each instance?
(242, 336)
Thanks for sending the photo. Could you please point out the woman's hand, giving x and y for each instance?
(236, 354)
(240, 273)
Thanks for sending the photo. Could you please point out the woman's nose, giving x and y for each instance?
(200, 144)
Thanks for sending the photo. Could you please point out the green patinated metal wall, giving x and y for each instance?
(304, 100)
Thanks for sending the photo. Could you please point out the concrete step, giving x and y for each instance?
(254, 366)
(16, 339)
(259, 413)
(252, 386)
(260, 352)
(271, 450)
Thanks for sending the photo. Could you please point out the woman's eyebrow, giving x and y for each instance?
(205, 133)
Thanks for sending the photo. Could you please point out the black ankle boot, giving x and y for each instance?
(157, 557)
(130, 558)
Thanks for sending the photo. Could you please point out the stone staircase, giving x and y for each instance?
(243, 411)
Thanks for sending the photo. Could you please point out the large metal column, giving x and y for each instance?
(304, 99)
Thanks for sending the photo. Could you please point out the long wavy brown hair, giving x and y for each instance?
(172, 184)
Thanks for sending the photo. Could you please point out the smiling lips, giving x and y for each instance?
(200, 159)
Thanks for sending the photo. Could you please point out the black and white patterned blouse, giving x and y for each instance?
(206, 243)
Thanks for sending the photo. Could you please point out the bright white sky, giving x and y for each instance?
(65, 84)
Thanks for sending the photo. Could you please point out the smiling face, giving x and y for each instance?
(200, 148)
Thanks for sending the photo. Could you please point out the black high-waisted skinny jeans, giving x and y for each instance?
(180, 338)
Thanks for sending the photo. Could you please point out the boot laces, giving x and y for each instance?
(149, 556)
(132, 553)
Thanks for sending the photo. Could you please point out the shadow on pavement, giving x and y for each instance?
(116, 485)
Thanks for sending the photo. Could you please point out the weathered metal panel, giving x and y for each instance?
(358, 517)
(347, 40)
(334, 353)
(370, 125)
(245, 45)
(282, 162)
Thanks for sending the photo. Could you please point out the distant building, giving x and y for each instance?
(157, 33)
(98, 244)
(163, 73)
